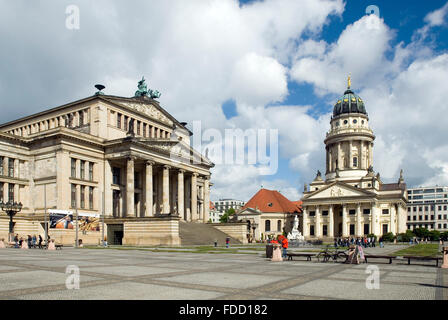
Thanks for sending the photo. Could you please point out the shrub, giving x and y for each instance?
(388, 237)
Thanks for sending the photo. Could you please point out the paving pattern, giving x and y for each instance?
(145, 275)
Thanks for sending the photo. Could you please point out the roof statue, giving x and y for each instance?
(401, 180)
(349, 81)
(143, 91)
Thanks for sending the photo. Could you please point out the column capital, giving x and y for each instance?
(150, 162)
(195, 174)
(131, 158)
(181, 171)
(166, 167)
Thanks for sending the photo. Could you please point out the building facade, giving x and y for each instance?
(126, 158)
(428, 208)
(268, 214)
(352, 200)
(222, 205)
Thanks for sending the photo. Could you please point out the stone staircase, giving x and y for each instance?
(192, 233)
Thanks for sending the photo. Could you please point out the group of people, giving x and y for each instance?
(28, 242)
(283, 241)
(366, 242)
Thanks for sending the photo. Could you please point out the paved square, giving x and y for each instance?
(137, 274)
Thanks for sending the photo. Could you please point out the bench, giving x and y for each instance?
(423, 258)
(298, 254)
(58, 246)
(375, 256)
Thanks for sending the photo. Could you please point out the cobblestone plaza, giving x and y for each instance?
(145, 275)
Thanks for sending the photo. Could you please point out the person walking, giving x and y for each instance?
(381, 242)
(16, 241)
(33, 241)
(40, 242)
(227, 242)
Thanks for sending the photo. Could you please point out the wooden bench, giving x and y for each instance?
(375, 256)
(423, 258)
(298, 254)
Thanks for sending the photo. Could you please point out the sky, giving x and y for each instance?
(270, 67)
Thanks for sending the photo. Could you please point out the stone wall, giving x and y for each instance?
(152, 231)
(235, 230)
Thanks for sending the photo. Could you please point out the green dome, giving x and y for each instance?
(349, 103)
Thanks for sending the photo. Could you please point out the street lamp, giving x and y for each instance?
(11, 209)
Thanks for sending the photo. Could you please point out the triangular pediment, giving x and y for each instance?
(338, 190)
(148, 108)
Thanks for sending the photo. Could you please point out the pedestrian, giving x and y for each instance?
(40, 242)
(33, 241)
(285, 247)
(16, 241)
(227, 242)
(335, 243)
(381, 242)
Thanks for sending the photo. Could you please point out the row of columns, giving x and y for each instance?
(373, 221)
(363, 162)
(166, 209)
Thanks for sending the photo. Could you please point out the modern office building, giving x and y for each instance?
(428, 208)
(222, 205)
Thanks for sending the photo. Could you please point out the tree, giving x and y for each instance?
(434, 235)
(406, 237)
(388, 237)
(226, 216)
(421, 232)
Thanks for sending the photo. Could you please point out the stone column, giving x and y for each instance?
(194, 197)
(370, 155)
(331, 217)
(16, 168)
(350, 155)
(339, 166)
(361, 155)
(130, 212)
(392, 213)
(344, 221)
(180, 194)
(359, 227)
(166, 190)
(5, 192)
(374, 224)
(206, 199)
(148, 189)
(318, 228)
(305, 228)
(330, 161)
(187, 202)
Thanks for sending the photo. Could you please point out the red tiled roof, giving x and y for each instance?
(272, 201)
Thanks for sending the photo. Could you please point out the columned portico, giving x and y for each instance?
(166, 190)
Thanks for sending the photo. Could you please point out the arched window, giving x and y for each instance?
(279, 225)
(355, 161)
(267, 225)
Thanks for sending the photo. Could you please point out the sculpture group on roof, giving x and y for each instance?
(143, 91)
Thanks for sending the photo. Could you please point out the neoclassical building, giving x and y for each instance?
(352, 200)
(125, 157)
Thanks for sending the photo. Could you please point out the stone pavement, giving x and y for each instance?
(133, 274)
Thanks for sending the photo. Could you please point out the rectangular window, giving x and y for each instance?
(312, 230)
(116, 173)
(138, 127)
(81, 118)
(414, 218)
(385, 211)
(420, 209)
(325, 213)
(126, 119)
(366, 211)
(11, 167)
(440, 217)
(73, 196)
(312, 213)
(91, 198)
(83, 170)
(2, 171)
(73, 168)
(352, 229)
(440, 208)
(11, 192)
(366, 228)
(91, 171)
(119, 120)
(352, 212)
(116, 203)
(324, 230)
(83, 197)
(1, 191)
(385, 228)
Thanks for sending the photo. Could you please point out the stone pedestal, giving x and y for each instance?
(277, 253)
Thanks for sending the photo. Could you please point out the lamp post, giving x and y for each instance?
(11, 209)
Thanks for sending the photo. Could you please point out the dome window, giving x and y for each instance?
(345, 121)
(355, 121)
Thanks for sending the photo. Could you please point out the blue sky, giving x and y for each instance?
(267, 64)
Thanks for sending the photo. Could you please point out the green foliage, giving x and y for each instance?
(444, 236)
(434, 235)
(370, 235)
(226, 216)
(405, 237)
(421, 232)
(388, 237)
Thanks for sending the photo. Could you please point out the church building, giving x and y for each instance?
(124, 160)
(352, 201)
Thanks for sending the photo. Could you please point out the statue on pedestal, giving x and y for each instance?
(295, 233)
